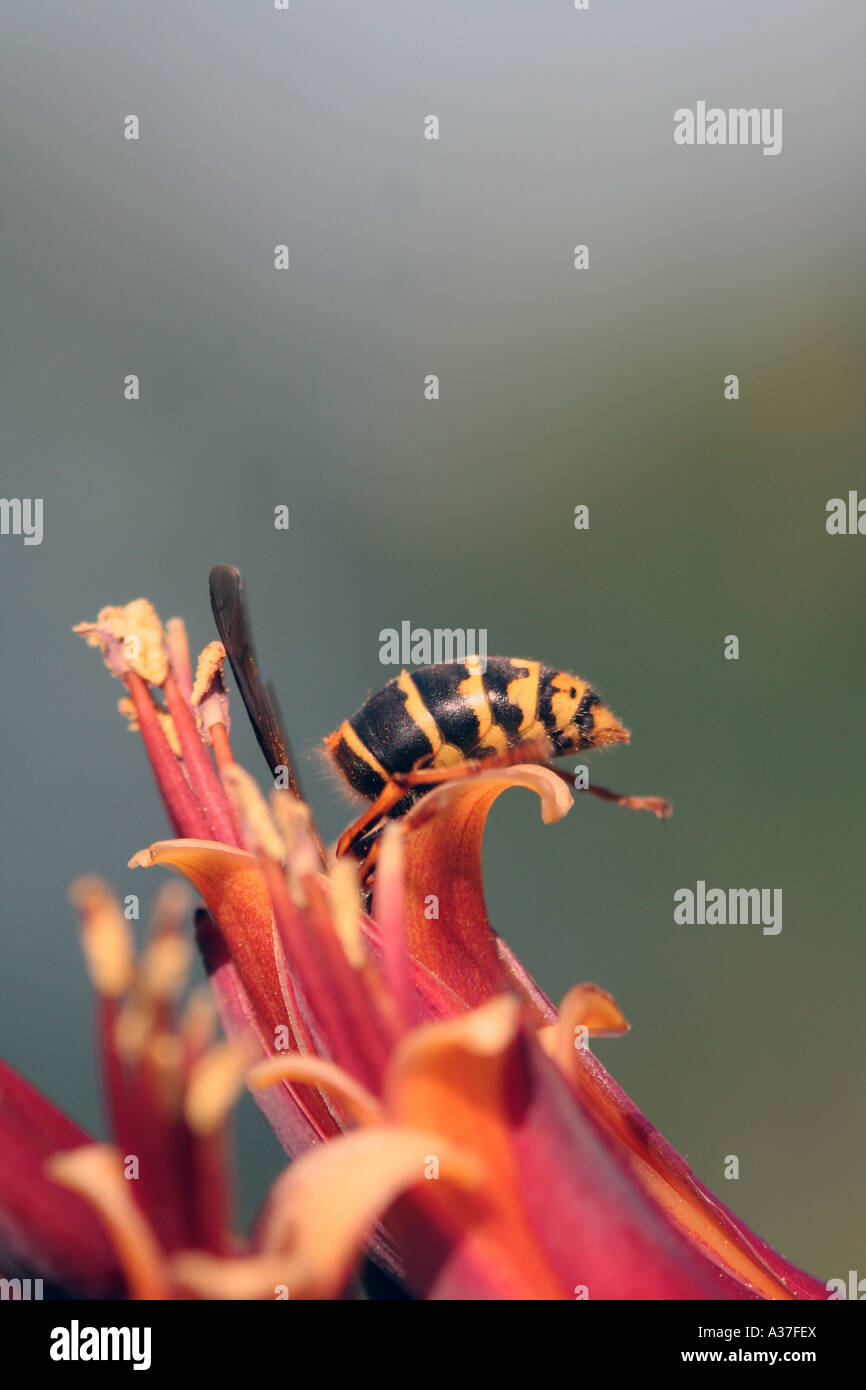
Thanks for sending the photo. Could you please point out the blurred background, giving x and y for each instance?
(602, 387)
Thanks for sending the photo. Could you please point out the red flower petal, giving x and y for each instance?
(44, 1230)
(249, 988)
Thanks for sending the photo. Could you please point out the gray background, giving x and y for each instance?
(602, 387)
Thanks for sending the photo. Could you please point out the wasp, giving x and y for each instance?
(457, 718)
(431, 726)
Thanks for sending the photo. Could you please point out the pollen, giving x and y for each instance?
(127, 709)
(131, 638)
(210, 666)
(209, 695)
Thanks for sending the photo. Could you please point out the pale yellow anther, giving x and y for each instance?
(216, 1082)
(106, 937)
(165, 966)
(346, 912)
(209, 695)
(165, 1056)
(138, 631)
(209, 668)
(127, 709)
(259, 828)
(132, 1029)
(294, 822)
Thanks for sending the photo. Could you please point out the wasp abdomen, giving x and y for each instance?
(444, 714)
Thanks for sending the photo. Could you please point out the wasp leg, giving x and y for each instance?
(368, 864)
(422, 775)
(657, 804)
(400, 782)
(533, 751)
(387, 799)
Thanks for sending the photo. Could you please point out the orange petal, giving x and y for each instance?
(444, 832)
(316, 1071)
(233, 885)
(585, 1007)
(453, 1077)
(95, 1172)
(322, 1211)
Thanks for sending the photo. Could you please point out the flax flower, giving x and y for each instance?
(439, 1111)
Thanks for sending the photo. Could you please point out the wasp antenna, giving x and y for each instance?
(230, 615)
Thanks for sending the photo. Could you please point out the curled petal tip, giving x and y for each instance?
(143, 859)
(482, 789)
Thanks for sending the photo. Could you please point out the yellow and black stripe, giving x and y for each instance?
(444, 714)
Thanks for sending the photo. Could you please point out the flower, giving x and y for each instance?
(560, 1184)
(132, 1217)
(164, 1184)
(442, 1109)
